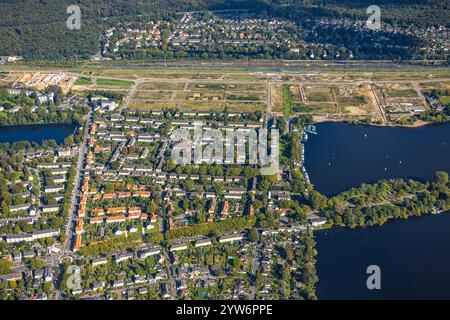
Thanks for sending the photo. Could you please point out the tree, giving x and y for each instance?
(152, 207)
(441, 178)
(253, 235)
(36, 264)
(289, 253)
(115, 165)
(189, 184)
(5, 266)
(69, 140)
(5, 208)
(338, 205)
(318, 201)
(4, 94)
(295, 147)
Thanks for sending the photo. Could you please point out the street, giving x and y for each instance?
(77, 185)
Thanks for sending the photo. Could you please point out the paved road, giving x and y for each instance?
(126, 102)
(416, 87)
(38, 177)
(170, 273)
(254, 268)
(378, 103)
(77, 183)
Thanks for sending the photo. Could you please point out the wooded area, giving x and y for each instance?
(37, 29)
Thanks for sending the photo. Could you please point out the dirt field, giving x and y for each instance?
(314, 92)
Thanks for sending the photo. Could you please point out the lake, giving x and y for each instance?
(414, 254)
(36, 132)
(342, 156)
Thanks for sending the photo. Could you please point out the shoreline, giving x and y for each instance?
(38, 124)
(334, 226)
(417, 124)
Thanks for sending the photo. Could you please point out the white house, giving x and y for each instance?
(108, 105)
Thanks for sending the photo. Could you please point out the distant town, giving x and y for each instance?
(209, 35)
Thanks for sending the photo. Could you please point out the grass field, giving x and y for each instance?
(247, 90)
(427, 86)
(201, 106)
(235, 86)
(246, 106)
(319, 94)
(112, 82)
(276, 98)
(144, 105)
(83, 81)
(199, 96)
(172, 86)
(206, 86)
(295, 91)
(445, 100)
(259, 87)
(288, 104)
(161, 95)
(249, 96)
(408, 93)
(316, 108)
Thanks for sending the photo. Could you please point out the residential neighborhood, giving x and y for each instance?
(221, 34)
(134, 209)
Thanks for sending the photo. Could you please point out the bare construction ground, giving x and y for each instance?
(201, 95)
(328, 94)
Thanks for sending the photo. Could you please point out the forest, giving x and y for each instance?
(37, 29)
(374, 204)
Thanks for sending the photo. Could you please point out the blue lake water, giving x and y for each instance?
(414, 254)
(36, 132)
(342, 156)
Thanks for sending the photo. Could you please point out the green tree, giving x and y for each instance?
(253, 235)
(318, 201)
(69, 140)
(5, 266)
(289, 253)
(36, 264)
(441, 178)
(338, 205)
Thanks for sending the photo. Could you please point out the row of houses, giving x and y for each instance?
(159, 176)
(54, 165)
(121, 257)
(191, 124)
(29, 237)
(121, 195)
(59, 152)
(22, 207)
(119, 121)
(179, 114)
(207, 242)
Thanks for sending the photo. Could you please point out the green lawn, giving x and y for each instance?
(445, 100)
(83, 81)
(408, 93)
(288, 108)
(113, 82)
